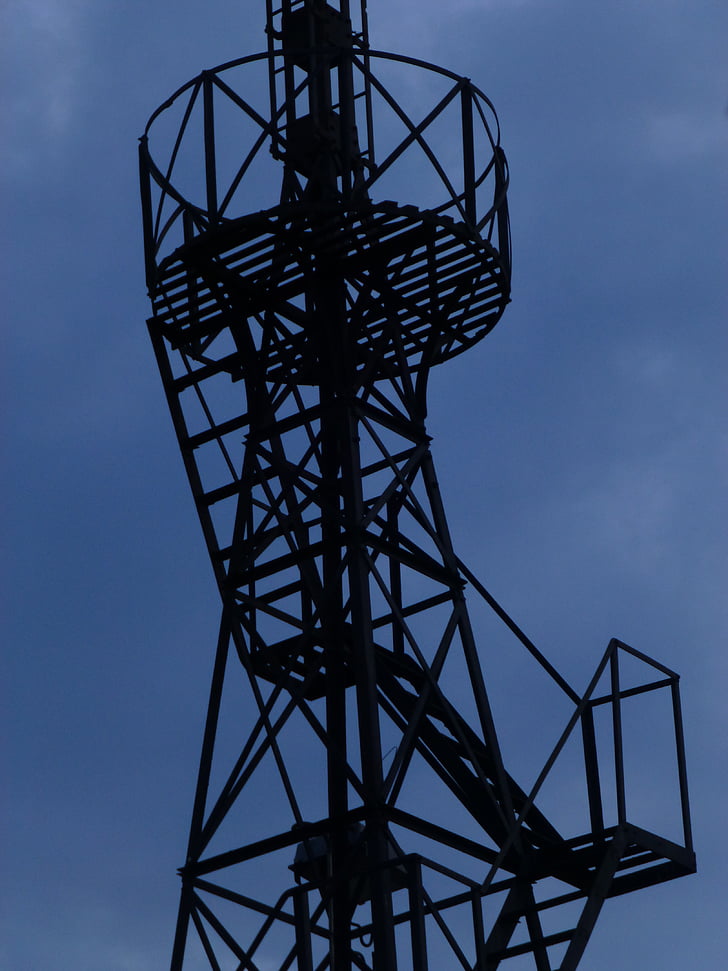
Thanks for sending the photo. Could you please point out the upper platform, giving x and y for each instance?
(234, 214)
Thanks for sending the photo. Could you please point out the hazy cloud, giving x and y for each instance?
(683, 135)
(46, 48)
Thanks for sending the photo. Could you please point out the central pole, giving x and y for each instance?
(349, 648)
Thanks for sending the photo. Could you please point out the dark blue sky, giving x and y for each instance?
(581, 447)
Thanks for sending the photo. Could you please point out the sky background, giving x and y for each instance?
(581, 447)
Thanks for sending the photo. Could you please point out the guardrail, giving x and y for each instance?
(209, 155)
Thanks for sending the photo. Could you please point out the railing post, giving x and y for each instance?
(501, 204)
(466, 102)
(150, 263)
(591, 766)
(617, 730)
(209, 136)
(681, 767)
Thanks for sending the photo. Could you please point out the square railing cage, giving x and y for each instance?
(633, 748)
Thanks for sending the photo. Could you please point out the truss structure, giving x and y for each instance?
(354, 808)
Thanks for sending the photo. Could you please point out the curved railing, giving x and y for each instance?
(209, 155)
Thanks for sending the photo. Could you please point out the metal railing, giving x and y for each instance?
(464, 176)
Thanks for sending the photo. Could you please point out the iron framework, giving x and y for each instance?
(353, 806)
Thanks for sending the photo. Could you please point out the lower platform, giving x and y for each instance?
(419, 287)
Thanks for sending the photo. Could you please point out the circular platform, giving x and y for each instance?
(420, 287)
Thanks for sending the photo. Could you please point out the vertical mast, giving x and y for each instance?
(314, 96)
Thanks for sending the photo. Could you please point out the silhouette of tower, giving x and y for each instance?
(353, 808)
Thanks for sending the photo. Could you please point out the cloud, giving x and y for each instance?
(651, 513)
(675, 136)
(46, 49)
(631, 513)
(415, 29)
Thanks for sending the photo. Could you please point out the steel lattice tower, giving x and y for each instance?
(353, 808)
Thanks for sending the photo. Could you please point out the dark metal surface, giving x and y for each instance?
(353, 808)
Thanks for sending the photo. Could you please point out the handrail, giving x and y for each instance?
(477, 115)
(584, 708)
